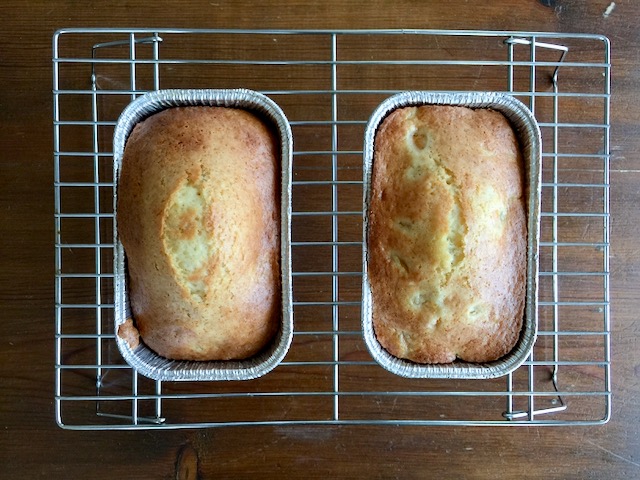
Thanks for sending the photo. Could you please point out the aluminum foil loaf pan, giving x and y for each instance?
(528, 133)
(142, 358)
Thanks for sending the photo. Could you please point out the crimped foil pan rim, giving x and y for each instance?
(145, 360)
(528, 133)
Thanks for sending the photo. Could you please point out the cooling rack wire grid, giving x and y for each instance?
(328, 83)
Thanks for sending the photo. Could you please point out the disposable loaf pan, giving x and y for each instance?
(142, 358)
(528, 133)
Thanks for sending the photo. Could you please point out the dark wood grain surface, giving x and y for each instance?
(33, 446)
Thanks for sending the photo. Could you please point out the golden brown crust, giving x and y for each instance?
(129, 333)
(199, 219)
(447, 235)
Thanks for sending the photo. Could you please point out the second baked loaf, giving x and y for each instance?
(447, 235)
(199, 218)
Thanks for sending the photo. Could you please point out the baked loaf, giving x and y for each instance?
(199, 218)
(447, 235)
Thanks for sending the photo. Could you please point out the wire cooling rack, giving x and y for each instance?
(328, 83)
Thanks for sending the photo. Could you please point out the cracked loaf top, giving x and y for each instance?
(447, 235)
(199, 219)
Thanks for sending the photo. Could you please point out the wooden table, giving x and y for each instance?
(32, 445)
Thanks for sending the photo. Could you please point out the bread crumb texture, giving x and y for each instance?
(199, 219)
(447, 235)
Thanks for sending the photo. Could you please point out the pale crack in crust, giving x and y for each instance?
(187, 234)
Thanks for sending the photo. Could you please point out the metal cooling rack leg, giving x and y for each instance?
(511, 415)
(533, 44)
(155, 40)
(525, 41)
(335, 292)
(556, 287)
(605, 247)
(58, 237)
